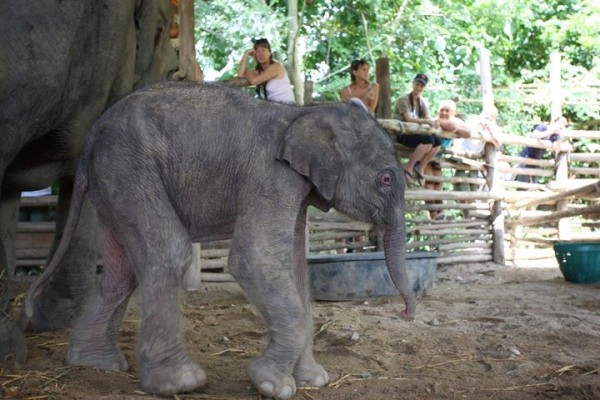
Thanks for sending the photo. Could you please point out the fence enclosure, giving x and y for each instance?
(505, 221)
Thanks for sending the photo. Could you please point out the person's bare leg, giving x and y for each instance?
(417, 155)
(427, 157)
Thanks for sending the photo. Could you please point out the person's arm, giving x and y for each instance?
(373, 97)
(491, 132)
(345, 93)
(425, 118)
(455, 126)
(242, 66)
(274, 71)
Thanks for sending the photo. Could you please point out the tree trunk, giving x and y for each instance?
(295, 52)
(189, 69)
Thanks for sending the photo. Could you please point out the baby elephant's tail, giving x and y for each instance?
(79, 191)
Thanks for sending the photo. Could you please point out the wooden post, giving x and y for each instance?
(308, 92)
(192, 278)
(485, 74)
(384, 106)
(491, 156)
(189, 69)
(555, 86)
(562, 166)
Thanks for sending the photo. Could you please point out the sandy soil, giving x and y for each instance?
(484, 332)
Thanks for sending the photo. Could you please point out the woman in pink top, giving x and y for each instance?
(269, 76)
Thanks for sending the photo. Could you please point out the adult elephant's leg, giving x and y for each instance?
(261, 261)
(94, 336)
(12, 341)
(307, 372)
(75, 278)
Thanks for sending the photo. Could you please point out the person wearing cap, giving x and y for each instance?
(269, 76)
(548, 134)
(413, 108)
(361, 87)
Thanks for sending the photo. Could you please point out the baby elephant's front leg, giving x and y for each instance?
(272, 373)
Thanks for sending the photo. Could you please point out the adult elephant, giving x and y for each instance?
(181, 162)
(62, 63)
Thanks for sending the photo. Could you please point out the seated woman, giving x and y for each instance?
(413, 108)
(270, 76)
(361, 88)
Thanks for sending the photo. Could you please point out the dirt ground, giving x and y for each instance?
(484, 332)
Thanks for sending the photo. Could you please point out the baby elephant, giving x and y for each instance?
(178, 163)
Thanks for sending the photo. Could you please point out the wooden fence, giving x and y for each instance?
(505, 221)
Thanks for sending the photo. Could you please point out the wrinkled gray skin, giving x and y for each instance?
(184, 162)
(62, 63)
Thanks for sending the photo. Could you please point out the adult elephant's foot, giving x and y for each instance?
(13, 347)
(309, 373)
(167, 380)
(270, 382)
(105, 358)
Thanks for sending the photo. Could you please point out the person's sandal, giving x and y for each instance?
(420, 177)
(408, 177)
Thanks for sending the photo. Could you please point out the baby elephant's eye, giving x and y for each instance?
(386, 179)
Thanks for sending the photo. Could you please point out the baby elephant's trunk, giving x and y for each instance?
(394, 245)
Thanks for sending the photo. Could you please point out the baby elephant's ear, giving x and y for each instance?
(309, 146)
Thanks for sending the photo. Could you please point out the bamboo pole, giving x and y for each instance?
(464, 259)
(584, 171)
(437, 242)
(39, 201)
(450, 195)
(526, 160)
(447, 225)
(460, 246)
(447, 206)
(555, 216)
(442, 232)
(529, 171)
(527, 186)
(214, 253)
(453, 179)
(491, 160)
(342, 226)
(581, 134)
(216, 277)
(593, 188)
(570, 184)
(36, 227)
(320, 236)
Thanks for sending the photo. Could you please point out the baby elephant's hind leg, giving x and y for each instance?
(160, 261)
(93, 339)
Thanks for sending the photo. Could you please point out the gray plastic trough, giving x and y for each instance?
(358, 276)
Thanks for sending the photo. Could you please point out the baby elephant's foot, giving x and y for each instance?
(270, 382)
(309, 373)
(109, 359)
(167, 380)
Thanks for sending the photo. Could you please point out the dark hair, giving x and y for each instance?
(354, 66)
(261, 90)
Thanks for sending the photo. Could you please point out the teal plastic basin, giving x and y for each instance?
(579, 262)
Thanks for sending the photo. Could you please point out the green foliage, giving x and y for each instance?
(438, 37)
